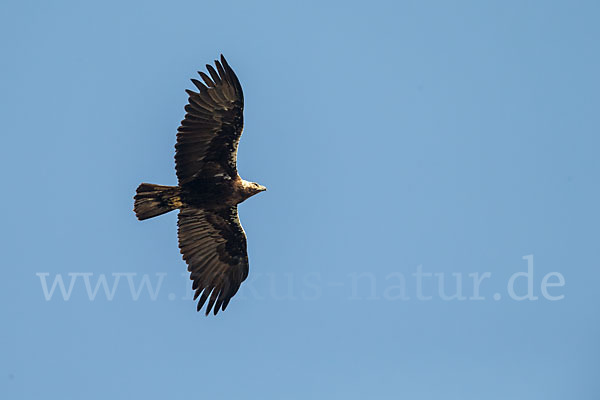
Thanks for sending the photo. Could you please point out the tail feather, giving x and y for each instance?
(154, 200)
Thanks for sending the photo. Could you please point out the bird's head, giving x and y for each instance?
(256, 188)
(252, 188)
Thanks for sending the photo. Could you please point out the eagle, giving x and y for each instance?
(211, 238)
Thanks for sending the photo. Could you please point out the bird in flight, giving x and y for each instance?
(211, 238)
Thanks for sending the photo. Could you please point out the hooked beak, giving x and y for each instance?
(262, 188)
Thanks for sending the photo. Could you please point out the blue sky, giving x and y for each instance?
(450, 138)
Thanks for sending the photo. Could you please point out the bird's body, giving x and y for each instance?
(211, 238)
(217, 192)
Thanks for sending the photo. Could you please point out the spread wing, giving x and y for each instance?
(213, 244)
(208, 137)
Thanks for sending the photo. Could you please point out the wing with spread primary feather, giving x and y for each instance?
(213, 244)
(208, 137)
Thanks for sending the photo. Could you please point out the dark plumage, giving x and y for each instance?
(211, 238)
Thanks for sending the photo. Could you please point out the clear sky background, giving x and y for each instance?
(450, 137)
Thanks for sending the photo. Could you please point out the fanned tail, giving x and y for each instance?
(154, 200)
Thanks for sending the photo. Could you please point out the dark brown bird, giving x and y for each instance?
(211, 238)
